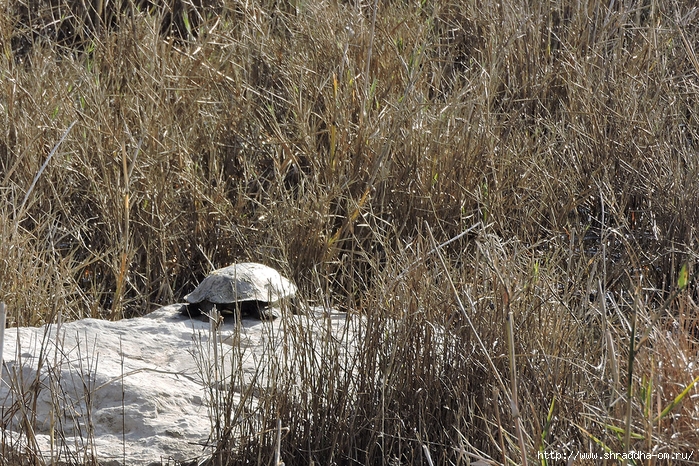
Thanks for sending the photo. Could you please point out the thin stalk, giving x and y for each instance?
(367, 67)
(514, 404)
(629, 382)
(20, 211)
(3, 319)
(482, 346)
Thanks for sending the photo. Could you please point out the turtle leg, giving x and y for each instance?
(267, 312)
(228, 311)
(200, 310)
(294, 303)
(192, 309)
(205, 307)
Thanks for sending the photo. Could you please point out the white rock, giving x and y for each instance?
(140, 383)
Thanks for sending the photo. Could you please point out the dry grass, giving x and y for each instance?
(332, 140)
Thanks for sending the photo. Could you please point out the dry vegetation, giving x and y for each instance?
(343, 143)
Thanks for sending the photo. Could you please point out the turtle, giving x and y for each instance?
(248, 287)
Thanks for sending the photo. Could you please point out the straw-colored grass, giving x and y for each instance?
(344, 143)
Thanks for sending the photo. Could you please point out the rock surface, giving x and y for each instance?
(138, 390)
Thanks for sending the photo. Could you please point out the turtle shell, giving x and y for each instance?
(238, 283)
